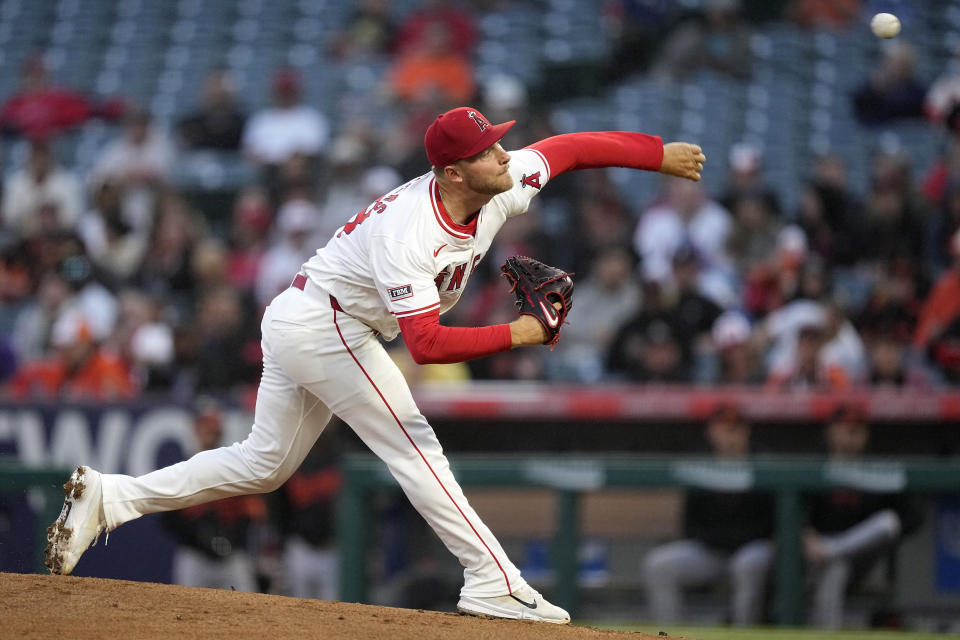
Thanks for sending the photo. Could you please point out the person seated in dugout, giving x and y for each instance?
(726, 535)
(850, 530)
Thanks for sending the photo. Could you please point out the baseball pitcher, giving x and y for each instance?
(393, 267)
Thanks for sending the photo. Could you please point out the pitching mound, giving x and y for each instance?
(38, 606)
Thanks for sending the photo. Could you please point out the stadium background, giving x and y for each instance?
(556, 66)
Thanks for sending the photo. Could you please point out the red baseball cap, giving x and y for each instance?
(461, 133)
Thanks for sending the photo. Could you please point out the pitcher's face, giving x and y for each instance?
(488, 172)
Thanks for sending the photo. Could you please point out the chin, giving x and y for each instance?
(495, 188)
(494, 185)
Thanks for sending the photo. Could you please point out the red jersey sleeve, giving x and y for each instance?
(429, 342)
(592, 150)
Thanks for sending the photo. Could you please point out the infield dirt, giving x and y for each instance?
(46, 606)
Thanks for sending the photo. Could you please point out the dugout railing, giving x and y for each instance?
(569, 477)
(16, 477)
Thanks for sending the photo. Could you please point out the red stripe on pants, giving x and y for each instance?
(420, 453)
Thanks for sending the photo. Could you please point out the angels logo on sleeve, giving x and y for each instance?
(533, 180)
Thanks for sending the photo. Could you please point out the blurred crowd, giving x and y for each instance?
(121, 279)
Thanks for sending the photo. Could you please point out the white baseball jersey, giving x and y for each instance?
(403, 255)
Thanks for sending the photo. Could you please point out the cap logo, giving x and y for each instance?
(483, 124)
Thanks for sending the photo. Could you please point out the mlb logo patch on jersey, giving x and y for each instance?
(399, 293)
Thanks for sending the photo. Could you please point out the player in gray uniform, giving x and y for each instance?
(850, 530)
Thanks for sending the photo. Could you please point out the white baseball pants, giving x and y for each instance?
(318, 361)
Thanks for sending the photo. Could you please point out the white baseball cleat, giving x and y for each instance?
(80, 523)
(523, 604)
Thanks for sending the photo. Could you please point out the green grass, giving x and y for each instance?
(771, 633)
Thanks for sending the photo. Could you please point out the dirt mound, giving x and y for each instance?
(40, 606)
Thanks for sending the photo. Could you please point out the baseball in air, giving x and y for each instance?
(885, 25)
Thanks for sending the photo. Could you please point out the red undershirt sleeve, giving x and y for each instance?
(592, 150)
(429, 342)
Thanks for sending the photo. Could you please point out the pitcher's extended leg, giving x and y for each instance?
(287, 422)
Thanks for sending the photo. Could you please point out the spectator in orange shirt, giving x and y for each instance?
(79, 369)
(938, 327)
(434, 69)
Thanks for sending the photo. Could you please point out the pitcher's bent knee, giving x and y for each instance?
(268, 469)
(273, 481)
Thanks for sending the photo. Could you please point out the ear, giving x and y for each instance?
(453, 173)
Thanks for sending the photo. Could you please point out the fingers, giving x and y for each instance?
(684, 160)
(697, 158)
(695, 172)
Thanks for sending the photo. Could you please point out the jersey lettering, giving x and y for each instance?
(377, 207)
(404, 243)
(456, 280)
(352, 224)
(476, 259)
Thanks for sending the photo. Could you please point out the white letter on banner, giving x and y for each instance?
(70, 441)
(111, 440)
(6, 430)
(151, 431)
(30, 443)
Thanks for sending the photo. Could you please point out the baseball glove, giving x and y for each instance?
(536, 287)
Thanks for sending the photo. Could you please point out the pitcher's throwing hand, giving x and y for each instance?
(683, 160)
